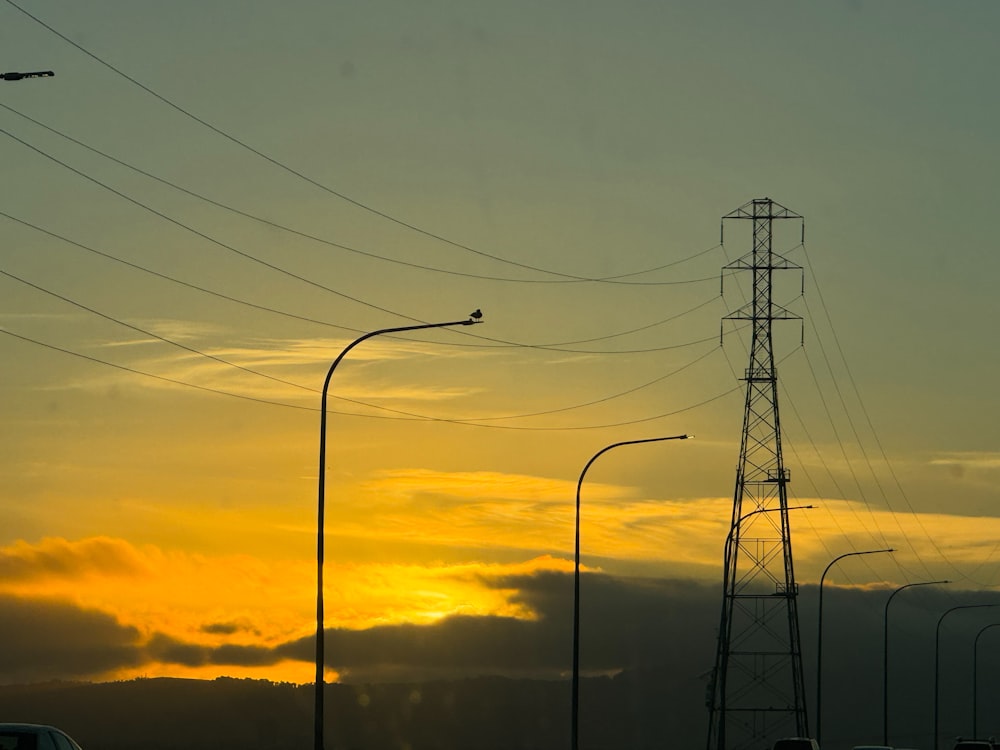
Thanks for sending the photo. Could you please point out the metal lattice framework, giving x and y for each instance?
(757, 692)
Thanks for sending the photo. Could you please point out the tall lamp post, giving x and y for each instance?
(937, 656)
(474, 318)
(575, 718)
(819, 633)
(975, 692)
(885, 655)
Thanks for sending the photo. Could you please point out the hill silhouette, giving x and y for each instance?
(492, 713)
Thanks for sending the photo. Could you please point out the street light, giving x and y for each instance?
(937, 655)
(575, 725)
(975, 694)
(819, 633)
(474, 318)
(885, 656)
(15, 76)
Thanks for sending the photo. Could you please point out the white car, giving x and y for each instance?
(34, 737)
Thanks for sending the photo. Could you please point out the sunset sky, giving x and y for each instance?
(211, 199)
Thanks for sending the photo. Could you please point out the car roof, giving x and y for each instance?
(24, 725)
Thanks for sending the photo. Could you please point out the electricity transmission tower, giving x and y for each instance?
(757, 691)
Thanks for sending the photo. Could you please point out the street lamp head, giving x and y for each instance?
(15, 76)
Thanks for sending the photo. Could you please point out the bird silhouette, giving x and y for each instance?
(477, 314)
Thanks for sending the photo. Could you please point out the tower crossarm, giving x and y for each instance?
(762, 208)
(777, 263)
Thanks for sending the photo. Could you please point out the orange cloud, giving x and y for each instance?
(59, 558)
(238, 599)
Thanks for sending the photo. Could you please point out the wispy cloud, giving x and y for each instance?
(299, 363)
(486, 484)
(969, 460)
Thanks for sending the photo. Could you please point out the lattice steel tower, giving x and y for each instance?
(757, 692)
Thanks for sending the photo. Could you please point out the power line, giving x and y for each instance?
(875, 437)
(498, 343)
(175, 280)
(163, 378)
(298, 277)
(290, 170)
(605, 399)
(204, 236)
(156, 336)
(282, 381)
(820, 455)
(366, 253)
(408, 416)
(843, 452)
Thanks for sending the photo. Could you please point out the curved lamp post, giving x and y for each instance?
(975, 693)
(575, 725)
(885, 655)
(741, 519)
(474, 318)
(937, 656)
(819, 633)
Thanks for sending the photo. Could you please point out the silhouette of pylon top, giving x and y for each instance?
(777, 211)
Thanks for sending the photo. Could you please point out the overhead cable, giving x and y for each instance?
(496, 343)
(367, 253)
(412, 417)
(290, 170)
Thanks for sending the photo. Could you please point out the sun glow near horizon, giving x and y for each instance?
(172, 598)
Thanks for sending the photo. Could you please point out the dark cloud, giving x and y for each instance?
(172, 651)
(657, 637)
(246, 656)
(43, 639)
(169, 650)
(221, 628)
(229, 628)
(625, 624)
